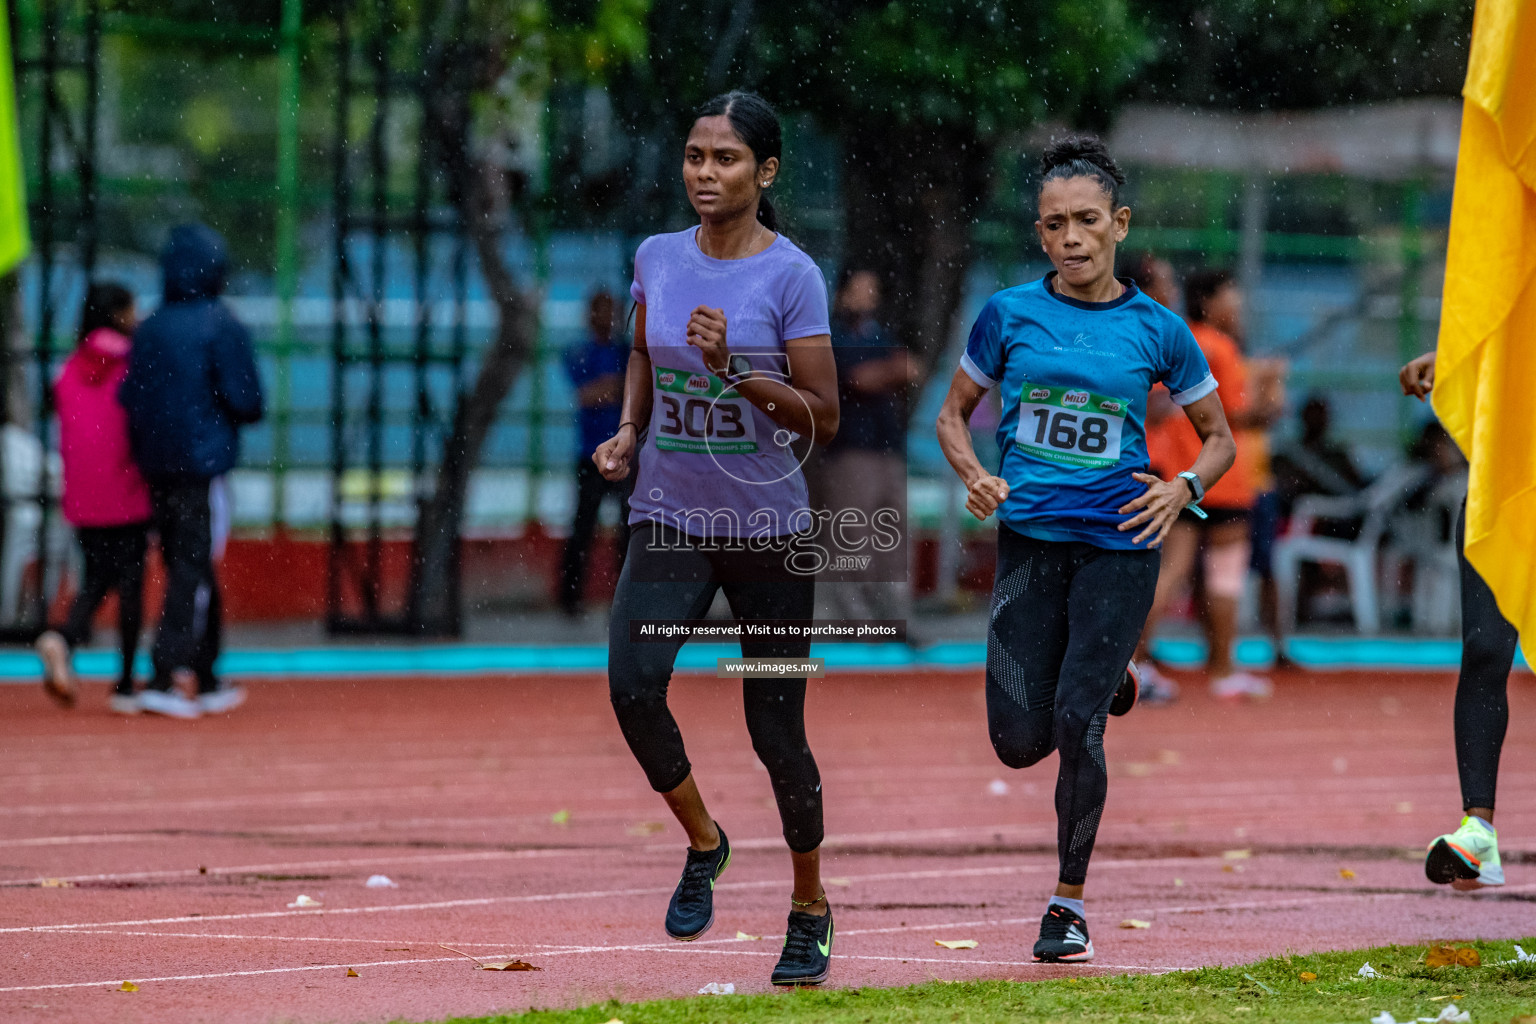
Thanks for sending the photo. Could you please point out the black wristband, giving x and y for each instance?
(631, 423)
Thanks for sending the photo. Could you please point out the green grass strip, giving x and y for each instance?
(1268, 992)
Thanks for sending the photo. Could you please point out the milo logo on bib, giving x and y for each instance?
(1070, 426)
(696, 412)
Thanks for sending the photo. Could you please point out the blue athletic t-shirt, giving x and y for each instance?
(1075, 377)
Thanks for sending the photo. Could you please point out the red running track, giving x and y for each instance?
(182, 844)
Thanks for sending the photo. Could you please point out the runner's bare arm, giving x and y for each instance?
(985, 492)
(1160, 504)
(613, 456)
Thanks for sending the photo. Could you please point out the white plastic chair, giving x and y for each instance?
(1373, 507)
(23, 515)
(1426, 538)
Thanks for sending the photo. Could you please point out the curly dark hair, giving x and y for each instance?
(1082, 156)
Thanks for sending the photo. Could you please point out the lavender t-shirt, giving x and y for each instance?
(713, 464)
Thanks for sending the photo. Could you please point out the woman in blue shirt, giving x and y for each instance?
(1079, 514)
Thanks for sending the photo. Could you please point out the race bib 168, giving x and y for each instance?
(1070, 426)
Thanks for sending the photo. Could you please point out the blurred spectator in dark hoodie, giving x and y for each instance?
(192, 384)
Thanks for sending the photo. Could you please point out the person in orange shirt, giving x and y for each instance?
(1214, 306)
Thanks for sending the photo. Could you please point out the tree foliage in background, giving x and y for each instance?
(486, 59)
(1295, 54)
(919, 95)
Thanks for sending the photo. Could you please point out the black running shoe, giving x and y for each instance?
(692, 909)
(807, 955)
(1127, 692)
(1063, 937)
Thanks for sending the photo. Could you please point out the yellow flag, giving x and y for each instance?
(1485, 370)
(14, 240)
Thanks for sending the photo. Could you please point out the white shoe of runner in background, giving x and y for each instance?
(1242, 686)
(125, 704)
(169, 703)
(1156, 688)
(226, 698)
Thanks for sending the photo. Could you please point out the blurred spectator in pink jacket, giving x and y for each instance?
(105, 497)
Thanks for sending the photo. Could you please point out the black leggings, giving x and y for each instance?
(666, 576)
(114, 560)
(1065, 620)
(1482, 690)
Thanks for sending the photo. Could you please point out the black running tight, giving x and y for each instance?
(1065, 619)
(1482, 690)
(667, 576)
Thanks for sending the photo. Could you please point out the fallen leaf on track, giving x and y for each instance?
(646, 828)
(1346, 874)
(492, 965)
(1132, 922)
(1236, 854)
(715, 988)
(352, 974)
(305, 901)
(1308, 976)
(743, 936)
(128, 986)
(956, 943)
(56, 883)
(841, 882)
(560, 817)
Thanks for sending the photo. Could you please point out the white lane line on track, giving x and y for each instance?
(1225, 793)
(764, 842)
(214, 976)
(291, 938)
(701, 948)
(244, 834)
(484, 901)
(229, 974)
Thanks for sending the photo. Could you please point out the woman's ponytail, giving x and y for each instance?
(766, 214)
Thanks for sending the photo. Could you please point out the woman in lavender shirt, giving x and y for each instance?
(732, 362)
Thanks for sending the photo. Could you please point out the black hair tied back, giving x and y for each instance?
(104, 302)
(756, 124)
(1083, 156)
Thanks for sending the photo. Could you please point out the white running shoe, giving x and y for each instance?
(226, 698)
(169, 703)
(58, 673)
(1156, 688)
(1242, 686)
(125, 704)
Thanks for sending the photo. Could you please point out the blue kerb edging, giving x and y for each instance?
(1321, 653)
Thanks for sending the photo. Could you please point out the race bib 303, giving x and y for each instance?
(1070, 426)
(696, 412)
